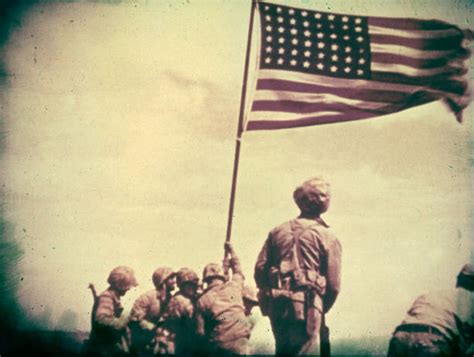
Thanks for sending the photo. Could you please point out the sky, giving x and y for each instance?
(121, 120)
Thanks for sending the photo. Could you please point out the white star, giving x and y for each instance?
(291, 11)
(345, 27)
(347, 49)
(281, 40)
(293, 62)
(360, 39)
(268, 49)
(280, 19)
(358, 29)
(319, 26)
(266, 7)
(279, 9)
(345, 19)
(305, 64)
(361, 61)
(292, 21)
(281, 50)
(331, 27)
(306, 24)
(361, 50)
(280, 60)
(268, 60)
(320, 35)
(307, 43)
(317, 15)
(307, 33)
(321, 55)
(307, 53)
(269, 38)
(348, 59)
(294, 41)
(331, 17)
(281, 29)
(346, 37)
(333, 69)
(358, 20)
(268, 17)
(304, 13)
(294, 52)
(293, 31)
(321, 44)
(320, 66)
(334, 58)
(360, 72)
(347, 69)
(334, 47)
(333, 36)
(268, 28)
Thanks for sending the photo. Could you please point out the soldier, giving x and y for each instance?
(220, 310)
(439, 323)
(298, 272)
(177, 331)
(148, 308)
(109, 334)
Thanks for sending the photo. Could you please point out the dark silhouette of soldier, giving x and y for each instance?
(298, 272)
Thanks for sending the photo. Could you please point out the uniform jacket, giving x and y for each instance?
(319, 251)
(148, 307)
(220, 312)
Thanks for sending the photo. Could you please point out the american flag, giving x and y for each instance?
(318, 67)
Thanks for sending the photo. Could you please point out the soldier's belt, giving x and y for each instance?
(292, 295)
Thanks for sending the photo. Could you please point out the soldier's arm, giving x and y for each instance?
(261, 267)
(139, 309)
(105, 314)
(333, 273)
(200, 322)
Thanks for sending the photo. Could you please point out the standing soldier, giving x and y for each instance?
(177, 331)
(148, 308)
(298, 272)
(109, 334)
(220, 316)
(439, 323)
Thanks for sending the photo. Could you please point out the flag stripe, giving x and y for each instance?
(442, 44)
(417, 53)
(437, 81)
(430, 34)
(394, 58)
(290, 106)
(409, 24)
(410, 71)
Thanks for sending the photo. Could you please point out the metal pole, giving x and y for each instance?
(239, 130)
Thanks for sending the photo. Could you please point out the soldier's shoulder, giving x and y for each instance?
(151, 294)
(285, 226)
(107, 294)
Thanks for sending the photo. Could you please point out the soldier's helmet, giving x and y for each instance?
(160, 275)
(122, 278)
(213, 270)
(250, 294)
(313, 196)
(186, 275)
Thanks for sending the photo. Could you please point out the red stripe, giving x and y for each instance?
(410, 24)
(293, 106)
(441, 44)
(409, 61)
(441, 82)
(373, 95)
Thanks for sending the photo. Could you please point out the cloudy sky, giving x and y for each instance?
(121, 121)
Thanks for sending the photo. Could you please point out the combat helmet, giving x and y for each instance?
(313, 196)
(186, 275)
(160, 275)
(212, 270)
(122, 278)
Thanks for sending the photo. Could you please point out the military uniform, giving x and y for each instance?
(109, 334)
(298, 273)
(437, 324)
(221, 317)
(177, 333)
(144, 317)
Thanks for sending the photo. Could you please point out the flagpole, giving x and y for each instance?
(239, 130)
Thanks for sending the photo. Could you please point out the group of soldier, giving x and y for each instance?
(297, 274)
